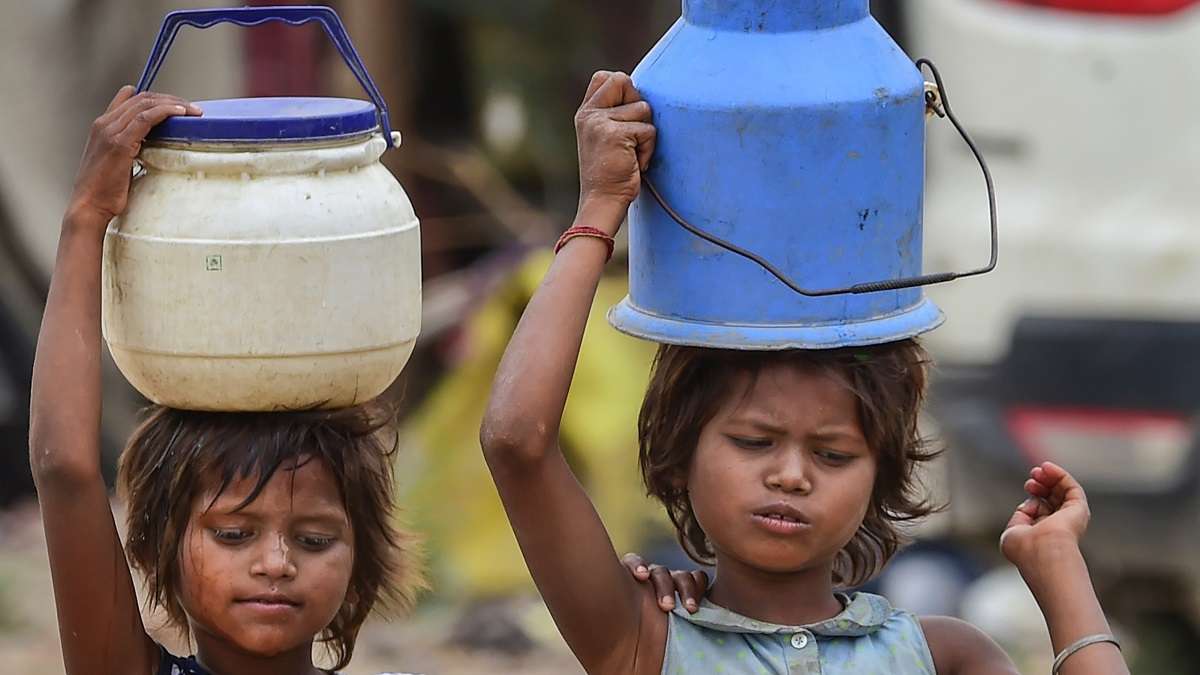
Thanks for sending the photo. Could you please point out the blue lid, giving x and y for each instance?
(266, 120)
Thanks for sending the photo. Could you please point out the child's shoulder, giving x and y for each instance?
(957, 645)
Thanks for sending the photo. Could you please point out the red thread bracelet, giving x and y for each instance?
(585, 231)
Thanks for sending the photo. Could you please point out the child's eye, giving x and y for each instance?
(230, 536)
(314, 541)
(834, 457)
(750, 443)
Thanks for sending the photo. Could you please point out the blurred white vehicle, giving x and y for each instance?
(1083, 346)
(1089, 122)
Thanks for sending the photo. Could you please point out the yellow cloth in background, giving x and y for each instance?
(450, 496)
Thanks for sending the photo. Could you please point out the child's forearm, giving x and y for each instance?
(65, 409)
(65, 398)
(1058, 577)
(534, 377)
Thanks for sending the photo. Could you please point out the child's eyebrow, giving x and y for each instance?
(829, 432)
(834, 433)
(323, 518)
(323, 515)
(758, 421)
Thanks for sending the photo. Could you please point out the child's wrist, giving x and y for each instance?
(1047, 555)
(578, 231)
(602, 212)
(82, 219)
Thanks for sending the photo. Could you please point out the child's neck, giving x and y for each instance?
(220, 658)
(789, 599)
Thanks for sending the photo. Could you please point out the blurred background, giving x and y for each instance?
(1082, 347)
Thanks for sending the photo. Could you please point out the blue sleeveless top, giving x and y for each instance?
(869, 637)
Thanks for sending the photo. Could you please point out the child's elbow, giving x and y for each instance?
(49, 466)
(59, 456)
(513, 442)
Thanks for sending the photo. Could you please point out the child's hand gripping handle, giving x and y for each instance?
(616, 141)
(102, 185)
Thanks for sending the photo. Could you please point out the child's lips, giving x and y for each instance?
(781, 518)
(269, 612)
(271, 604)
(777, 524)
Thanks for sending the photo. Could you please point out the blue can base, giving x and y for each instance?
(921, 318)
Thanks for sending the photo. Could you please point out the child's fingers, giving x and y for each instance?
(644, 133)
(664, 586)
(124, 115)
(1053, 469)
(636, 566)
(123, 94)
(689, 593)
(629, 93)
(612, 92)
(148, 101)
(598, 78)
(115, 106)
(1029, 507)
(1050, 482)
(701, 578)
(1036, 489)
(144, 121)
(638, 111)
(1037, 508)
(645, 149)
(1042, 476)
(1066, 488)
(1044, 494)
(1019, 519)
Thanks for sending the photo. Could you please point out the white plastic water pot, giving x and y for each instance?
(267, 260)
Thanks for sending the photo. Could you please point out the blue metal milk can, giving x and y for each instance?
(783, 205)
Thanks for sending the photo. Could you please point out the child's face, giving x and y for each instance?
(782, 475)
(271, 576)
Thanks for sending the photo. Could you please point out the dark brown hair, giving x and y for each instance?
(688, 385)
(176, 456)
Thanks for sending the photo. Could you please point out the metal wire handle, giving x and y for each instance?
(940, 105)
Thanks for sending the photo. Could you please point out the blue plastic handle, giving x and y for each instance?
(252, 16)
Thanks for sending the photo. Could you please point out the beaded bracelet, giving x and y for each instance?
(1080, 644)
(585, 231)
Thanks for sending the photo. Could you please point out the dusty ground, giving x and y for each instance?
(29, 634)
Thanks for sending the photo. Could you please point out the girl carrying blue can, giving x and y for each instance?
(791, 471)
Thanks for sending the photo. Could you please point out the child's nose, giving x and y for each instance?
(790, 473)
(274, 559)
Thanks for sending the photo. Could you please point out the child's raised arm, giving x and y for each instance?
(597, 604)
(98, 618)
(1042, 540)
